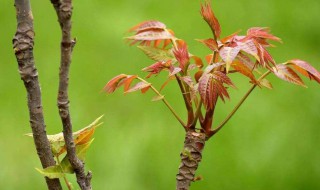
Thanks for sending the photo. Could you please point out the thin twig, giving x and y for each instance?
(165, 102)
(64, 12)
(214, 131)
(23, 43)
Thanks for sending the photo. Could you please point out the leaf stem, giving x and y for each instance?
(197, 113)
(64, 176)
(187, 101)
(235, 109)
(165, 102)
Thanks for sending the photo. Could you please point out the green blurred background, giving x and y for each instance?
(271, 143)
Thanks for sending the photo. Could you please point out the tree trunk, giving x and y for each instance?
(191, 156)
(23, 47)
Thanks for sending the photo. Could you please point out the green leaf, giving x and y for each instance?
(157, 54)
(59, 171)
(81, 151)
(52, 172)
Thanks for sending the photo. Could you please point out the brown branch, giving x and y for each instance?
(23, 43)
(64, 12)
(191, 156)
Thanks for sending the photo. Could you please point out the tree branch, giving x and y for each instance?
(23, 43)
(64, 12)
(235, 109)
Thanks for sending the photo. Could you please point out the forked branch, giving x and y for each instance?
(64, 12)
(23, 42)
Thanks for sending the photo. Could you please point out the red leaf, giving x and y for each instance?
(244, 69)
(181, 54)
(211, 87)
(210, 43)
(197, 60)
(204, 88)
(305, 68)
(151, 35)
(286, 73)
(262, 32)
(228, 54)
(209, 58)
(210, 18)
(246, 61)
(265, 59)
(156, 68)
(139, 86)
(113, 84)
(249, 47)
(229, 38)
(127, 81)
(151, 31)
(148, 25)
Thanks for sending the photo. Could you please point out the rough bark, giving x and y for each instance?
(64, 12)
(191, 156)
(23, 43)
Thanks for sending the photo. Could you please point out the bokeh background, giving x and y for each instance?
(271, 143)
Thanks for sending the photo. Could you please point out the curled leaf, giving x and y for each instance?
(139, 86)
(305, 69)
(182, 55)
(113, 84)
(148, 25)
(210, 43)
(286, 73)
(208, 15)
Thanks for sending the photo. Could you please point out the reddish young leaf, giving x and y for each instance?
(113, 84)
(305, 68)
(209, 58)
(247, 61)
(228, 54)
(210, 18)
(148, 25)
(145, 89)
(198, 75)
(229, 38)
(197, 61)
(262, 32)
(139, 86)
(244, 69)
(265, 59)
(286, 73)
(210, 43)
(127, 81)
(151, 35)
(181, 54)
(156, 68)
(211, 87)
(249, 47)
